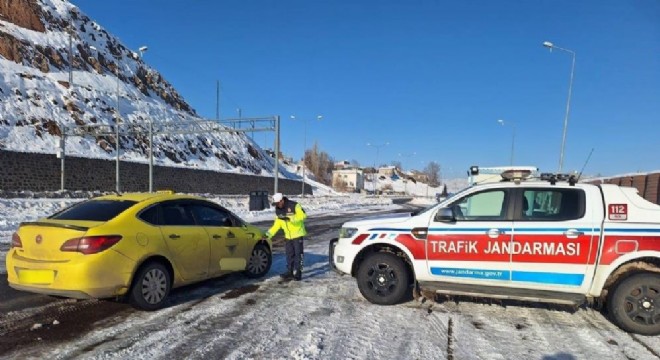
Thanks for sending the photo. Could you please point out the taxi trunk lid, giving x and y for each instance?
(42, 240)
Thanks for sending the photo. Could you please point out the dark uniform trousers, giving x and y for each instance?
(294, 256)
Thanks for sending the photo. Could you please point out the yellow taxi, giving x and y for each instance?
(137, 245)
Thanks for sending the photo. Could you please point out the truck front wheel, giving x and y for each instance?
(634, 304)
(383, 278)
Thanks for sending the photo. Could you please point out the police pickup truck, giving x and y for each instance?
(541, 240)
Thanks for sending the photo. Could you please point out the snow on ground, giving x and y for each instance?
(325, 317)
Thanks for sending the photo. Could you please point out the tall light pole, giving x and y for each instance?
(142, 50)
(117, 187)
(551, 46)
(377, 146)
(293, 117)
(513, 135)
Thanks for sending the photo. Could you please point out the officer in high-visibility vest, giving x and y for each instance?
(290, 217)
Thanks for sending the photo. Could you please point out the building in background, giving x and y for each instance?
(348, 180)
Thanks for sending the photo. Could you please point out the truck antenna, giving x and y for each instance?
(585, 165)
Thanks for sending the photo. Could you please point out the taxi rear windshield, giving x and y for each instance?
(94, 210)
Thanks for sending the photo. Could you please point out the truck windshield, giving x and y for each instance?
(443, 202)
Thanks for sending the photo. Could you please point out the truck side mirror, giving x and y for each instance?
(444, 215)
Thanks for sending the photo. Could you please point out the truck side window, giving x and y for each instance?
(482, 206)
(552, 204)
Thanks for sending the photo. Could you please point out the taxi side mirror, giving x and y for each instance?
(444, 215)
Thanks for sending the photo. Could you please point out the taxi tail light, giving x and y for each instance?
(16, 241)
(90, 244)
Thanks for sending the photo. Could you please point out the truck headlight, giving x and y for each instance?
(345, 233)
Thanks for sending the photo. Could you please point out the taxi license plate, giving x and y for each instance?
(36, 276)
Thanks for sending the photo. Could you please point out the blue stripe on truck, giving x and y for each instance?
(520, 276)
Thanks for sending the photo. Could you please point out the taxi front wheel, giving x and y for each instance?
(151, 286)
(383, 279)
(634, 304)
(259, 262)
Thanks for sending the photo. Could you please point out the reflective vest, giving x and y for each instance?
(294, 227)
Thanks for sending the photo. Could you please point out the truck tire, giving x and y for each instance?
(634, 304)
(383, 278)
(151, 286)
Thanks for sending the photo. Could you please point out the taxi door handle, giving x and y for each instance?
(174, 236)
(216, 236)
(572, 233)
(494, 233)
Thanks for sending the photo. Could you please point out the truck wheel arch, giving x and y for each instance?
(381, 247)
(635, 266)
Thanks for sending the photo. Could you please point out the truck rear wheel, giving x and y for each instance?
(383, 278)
(634, 304)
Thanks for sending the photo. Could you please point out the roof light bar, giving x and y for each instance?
(516, 175)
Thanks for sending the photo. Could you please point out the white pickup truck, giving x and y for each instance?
(549, 240)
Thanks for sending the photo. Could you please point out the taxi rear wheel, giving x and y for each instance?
(383, 279)
(151, 286)
(259, 262)
(634, 304)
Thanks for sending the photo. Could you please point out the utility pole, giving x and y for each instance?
(117, 187)
(277, 151)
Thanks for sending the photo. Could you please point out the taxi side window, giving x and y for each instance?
(176, 215)
(210, 216)
(151, 215)
(552, 204)
(482, 206)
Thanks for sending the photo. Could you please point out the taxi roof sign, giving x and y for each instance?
(166, 192)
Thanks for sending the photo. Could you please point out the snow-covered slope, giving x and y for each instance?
(38, 101)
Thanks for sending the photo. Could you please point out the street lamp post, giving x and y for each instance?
(142, 50)
(117, 187)
(551, 46)
(513, 135)
(376, 162)
(293, 117)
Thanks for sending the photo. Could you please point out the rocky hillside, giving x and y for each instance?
(45, 42)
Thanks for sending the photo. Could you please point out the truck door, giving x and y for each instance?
(461, 249)
(554, 240)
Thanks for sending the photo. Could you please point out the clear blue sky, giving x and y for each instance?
(431, 78)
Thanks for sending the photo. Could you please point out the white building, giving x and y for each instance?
(348, 180)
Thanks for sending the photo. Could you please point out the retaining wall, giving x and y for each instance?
(41, 172)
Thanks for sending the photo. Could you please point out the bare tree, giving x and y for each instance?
(320, 164)
(432, 170)
(340, 185)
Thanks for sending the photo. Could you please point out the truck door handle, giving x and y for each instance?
(572, 233)
(216, 236)
(174, 236)
(494, 233)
